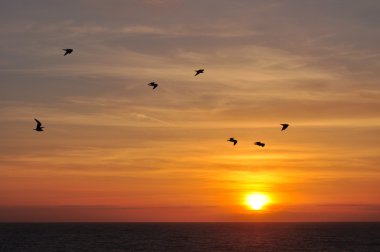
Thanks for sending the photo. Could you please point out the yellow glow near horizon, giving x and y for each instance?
(256, 201)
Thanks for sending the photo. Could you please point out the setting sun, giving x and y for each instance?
(256, 201)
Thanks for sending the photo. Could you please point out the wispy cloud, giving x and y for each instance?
(311, 64)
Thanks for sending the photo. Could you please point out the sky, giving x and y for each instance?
(113, 149)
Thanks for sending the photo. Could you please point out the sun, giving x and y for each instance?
(256, 201)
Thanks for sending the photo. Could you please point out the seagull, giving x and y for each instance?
(233, 140)
(153, 84)
(68, 51)
(284, 126)
(260, 144)
(199, 71)
(38, 126)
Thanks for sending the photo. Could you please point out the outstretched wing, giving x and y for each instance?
(38, 122)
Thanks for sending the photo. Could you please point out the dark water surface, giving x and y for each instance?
(46, 237)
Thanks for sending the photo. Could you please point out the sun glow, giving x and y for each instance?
(256, 201)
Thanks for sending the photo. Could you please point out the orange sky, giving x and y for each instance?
(116, 150)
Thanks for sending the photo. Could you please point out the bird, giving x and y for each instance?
(38, 126)
(153, 84)
(233, 140)
(284, 126)
(199, 71)
(260, 144)
(68, 51)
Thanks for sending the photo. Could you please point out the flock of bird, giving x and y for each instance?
(261, 144)
(154, 85)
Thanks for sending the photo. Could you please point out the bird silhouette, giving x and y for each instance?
(284, 126)
(260, 144)
(233, 140)
(68, 51)
(153, 84)
(38, 126)
(199, 71)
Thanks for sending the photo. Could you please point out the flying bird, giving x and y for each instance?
(284, 126)
(38, 126)
(153, 84)
(68, 51)
(260, 144)
(233, 140)
(199, 71)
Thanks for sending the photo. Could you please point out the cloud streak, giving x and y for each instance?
(313, 65)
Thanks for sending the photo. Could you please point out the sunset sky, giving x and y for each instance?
(115, 150)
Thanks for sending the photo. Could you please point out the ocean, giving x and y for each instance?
(183, 237)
